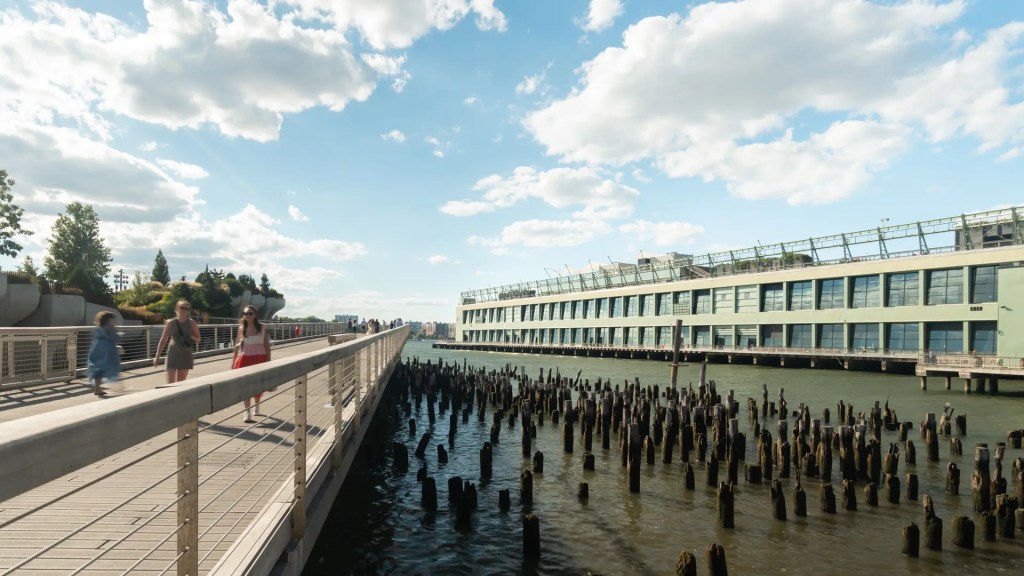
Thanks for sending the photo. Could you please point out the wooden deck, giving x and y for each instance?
(241, 467)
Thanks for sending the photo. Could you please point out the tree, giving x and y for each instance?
(77, 256)
(161, 273)
(10, 218)
(29, 267)
(264, 284)
(247, 282)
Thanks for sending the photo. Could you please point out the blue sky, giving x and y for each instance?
(377, 157)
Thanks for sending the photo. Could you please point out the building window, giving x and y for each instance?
(664, 304)
(746, 336)
(945, 337)
(801, 295)
(600, 308)
(772, 298)
(746, 298)
(724, 300)
(771, 335)
(865, 292)
(723, 336)
(574, 333)
(615, 307)
(702, 336)
(662, 335)
(543, 312)
(946, 286)
(630, 304)
(983, 284)
(647, 305)
(864, 336)
(600, 335)
(902, 289)
(830, 336)
(983, 337)
(902, 337)
(588, 338)
(702, 301)
(647, 336)
(615, 336)
(830, 293)
(681, 306)
(587, 305)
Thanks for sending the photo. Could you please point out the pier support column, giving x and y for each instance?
(949, 382)
(967, 385)
(924, 382)
(993, 386)
(980, 385)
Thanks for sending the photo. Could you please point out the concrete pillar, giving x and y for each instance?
(993, 386)
(967, 385)
(949, 382)
(924, 382)
(980, 385)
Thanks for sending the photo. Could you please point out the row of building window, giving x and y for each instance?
(901, 289)
(940, 337)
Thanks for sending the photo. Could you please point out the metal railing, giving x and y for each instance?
(909, 355)
(30, 356)
(171, 481)
(971, 360)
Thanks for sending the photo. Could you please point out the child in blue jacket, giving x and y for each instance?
(104, 358)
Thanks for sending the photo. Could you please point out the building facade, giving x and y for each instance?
(965, 296)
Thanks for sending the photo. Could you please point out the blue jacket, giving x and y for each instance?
(104, 361)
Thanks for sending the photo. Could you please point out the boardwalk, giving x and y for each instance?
(119, 515)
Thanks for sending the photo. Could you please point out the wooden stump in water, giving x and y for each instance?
(955, 447)
(400, 454)
(702, 446)
(1006, 509)
(827, 499)
(649, 450)
(428, 494)
(421, 474)
(778, 501)
(961, 425)
(531, 537)
(981, 490)
(442, 454)
(712, 471)
(538, 462)
(911, 540)
(485, 461)
(752, 473)
(495, 433)
(732, 472)
(1013, 438)
(932, 526)
(554, 417)
(588, 461)
(686, 565)
(963, 532)
(892, 488)
(799, 500)
(634, 458)
(952, 479)
(567, 436)
(782, 457)
(871, 494)
(526, 488)
(849, 495)
(527, 439)
(716, 560)
(455, 489)
(504, 499)
(726, 503)
(689, 482)
(911, 457)
(911, 486)
(584, 491)
(412, 426)
(421, 448)
(667, 445)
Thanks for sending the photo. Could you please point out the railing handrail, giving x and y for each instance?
(41, 448)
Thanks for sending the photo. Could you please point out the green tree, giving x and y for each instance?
(161, 273)
(10, 218)
(247, 282)
(77, 256)
(28, 266)
(264, 284)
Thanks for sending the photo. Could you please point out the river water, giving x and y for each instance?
(378, 527)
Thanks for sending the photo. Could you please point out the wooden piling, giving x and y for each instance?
(538, 462)
(980, 480)
(726, 505)
(778, 501)
(400, 457)
(799, 500)
(504, 499)
(588, 461)
(428, 494)
(531, 537)
(712, 471)
(421, 449)
(911, 540)
(442, 454)
(892, 488)
(932, 526)
(752, 474)
(686, 565)
(871, 494)
(583, 492)
(485, 461)
(1006, 508)
(689, 482)
(412, 426)
(635, 446)
(455, 489)
(911, 457)
(716, 560)
(849, 495)
(827, 499)
(526, 488)
(911, 486)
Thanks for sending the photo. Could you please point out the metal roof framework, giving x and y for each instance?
(884, 242)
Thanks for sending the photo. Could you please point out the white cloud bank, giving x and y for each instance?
(601, 14)
(295, 214)
(724, 93)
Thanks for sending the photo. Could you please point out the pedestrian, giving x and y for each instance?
(298, 331)
(104, 353)
(252, 347)
(183, 333)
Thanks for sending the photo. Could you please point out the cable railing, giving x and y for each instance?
(30, 356)
(173, 481)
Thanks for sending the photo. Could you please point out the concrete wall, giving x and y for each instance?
(65, 310)
(17, 301)
(1011, 312)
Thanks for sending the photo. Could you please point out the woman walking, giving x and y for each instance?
(253, 347)
(104, 358)
(183, 332)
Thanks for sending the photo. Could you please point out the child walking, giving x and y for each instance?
(104, 358)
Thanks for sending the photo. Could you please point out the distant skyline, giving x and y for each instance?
(378, 157)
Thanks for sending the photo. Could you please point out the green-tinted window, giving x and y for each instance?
(830, 294)
(664, 303)
(772, 298)
(946, 286)
(746, 298)
(702, 302)
(800, 336)
(702, 336)
(983, 337)
(945, 337)
(801, 295)
(724, 300)
(902, 289)
(902, 337)
(830, 336)
(864, 336)
(771, 335)
(983, 284)
(865, 292)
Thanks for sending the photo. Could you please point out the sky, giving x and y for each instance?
(378, 157)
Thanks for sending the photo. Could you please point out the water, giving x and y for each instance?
(378, 527)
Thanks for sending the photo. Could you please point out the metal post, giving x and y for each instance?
(188, 498)
(338, 413)
(299, 505)
(149, 342)
(43, 348)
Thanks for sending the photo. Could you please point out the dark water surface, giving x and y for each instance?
(378, 527)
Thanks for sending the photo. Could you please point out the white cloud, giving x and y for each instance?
(441, 259)
(684, 92)
(438, 153)
(600, 198)
(471, 101)
(601, 14)
(183, 169)
(641, 176)
(297, 214)
(543, 234)
(662, 233)
(530, 84)
(394, 136)
(150, 146)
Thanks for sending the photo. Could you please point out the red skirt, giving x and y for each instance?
(244, 360)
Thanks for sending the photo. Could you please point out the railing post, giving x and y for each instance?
(299, 505)
(43, 348)
(149, 342)
(216, 341)
(188, 499)
(337, 370)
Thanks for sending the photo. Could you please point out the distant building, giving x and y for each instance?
(344, 318)
(438, 329)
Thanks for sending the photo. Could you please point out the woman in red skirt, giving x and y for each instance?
(253, 347)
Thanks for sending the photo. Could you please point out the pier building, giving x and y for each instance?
(944, 297)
